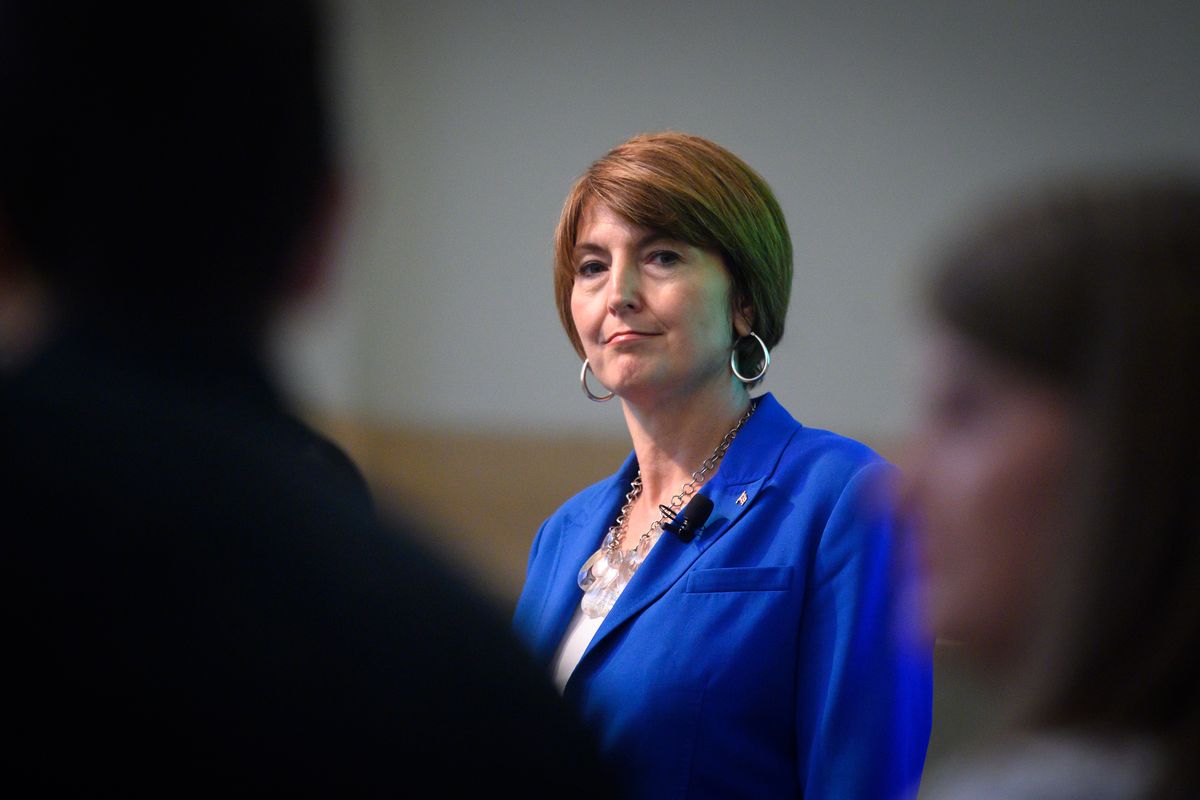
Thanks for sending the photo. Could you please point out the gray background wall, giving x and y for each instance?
(877, 124)
(438, 358)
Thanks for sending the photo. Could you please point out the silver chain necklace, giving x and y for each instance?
(606, 573)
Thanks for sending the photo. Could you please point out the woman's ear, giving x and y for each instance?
(743, 318)
(7, 258)
(308, 272)
(26, 311)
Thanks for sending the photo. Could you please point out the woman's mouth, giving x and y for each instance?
(627, 336)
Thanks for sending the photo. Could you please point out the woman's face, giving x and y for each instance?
(985, 479)
(654, 314)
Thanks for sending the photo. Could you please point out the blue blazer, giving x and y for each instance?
(772, 656)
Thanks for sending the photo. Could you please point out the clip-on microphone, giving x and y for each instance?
(688, 522)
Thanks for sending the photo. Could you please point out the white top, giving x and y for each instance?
(570, 649)
(1051, 766)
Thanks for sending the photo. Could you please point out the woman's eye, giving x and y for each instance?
(959, 406)
(665, 258)
(590, 268)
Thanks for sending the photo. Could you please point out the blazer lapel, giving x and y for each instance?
(747, 465)
(587, 529)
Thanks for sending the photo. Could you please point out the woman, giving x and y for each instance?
(764, 656)
(1056, 476)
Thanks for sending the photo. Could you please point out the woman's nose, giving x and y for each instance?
(623, 287)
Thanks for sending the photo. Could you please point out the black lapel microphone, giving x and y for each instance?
(688, 522)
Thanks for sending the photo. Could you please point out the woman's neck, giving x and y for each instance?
(673, 435)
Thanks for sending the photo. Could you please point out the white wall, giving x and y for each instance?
(876, 124)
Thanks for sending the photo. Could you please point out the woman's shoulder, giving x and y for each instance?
(599, 493)
(819, 453)
(831, 450)
(585, 498)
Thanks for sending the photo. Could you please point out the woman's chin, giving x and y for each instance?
(634, 382)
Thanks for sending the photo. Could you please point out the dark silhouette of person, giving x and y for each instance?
(197, 594)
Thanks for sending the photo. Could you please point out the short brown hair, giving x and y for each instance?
(698, 192)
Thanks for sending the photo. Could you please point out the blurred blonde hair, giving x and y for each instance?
(1093, 286)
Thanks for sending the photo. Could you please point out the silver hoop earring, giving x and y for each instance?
(766, 361)
(595, 398)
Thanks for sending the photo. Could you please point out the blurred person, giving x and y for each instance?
(1054, 473)
(765, 656)
(197, 595)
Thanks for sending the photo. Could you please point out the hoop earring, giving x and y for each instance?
(595, 398)
(766, 361)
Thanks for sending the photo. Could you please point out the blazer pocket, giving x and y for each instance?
(739, 579)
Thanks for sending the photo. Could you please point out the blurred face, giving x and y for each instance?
(985, 479)
(655, 315)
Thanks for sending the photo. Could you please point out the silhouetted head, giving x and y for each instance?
(161, 163)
